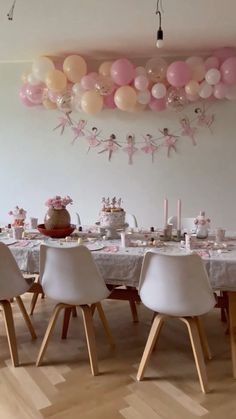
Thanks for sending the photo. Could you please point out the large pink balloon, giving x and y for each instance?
(122, 71)
(212, 62)
(228, 70)
(35, 93)
(157, 104)
(23, 97)
(224, 53)
(178, 73)
(220, 90)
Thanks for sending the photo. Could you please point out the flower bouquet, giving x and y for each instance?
(19, 216)
(57, 218)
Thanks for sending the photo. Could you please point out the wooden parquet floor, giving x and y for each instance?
(63, 388)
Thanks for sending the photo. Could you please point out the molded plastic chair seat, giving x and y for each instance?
(177, 286)
(131, 220)
(12, 285)
(70, 276)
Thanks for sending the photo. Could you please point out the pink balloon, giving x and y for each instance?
(212, 62)
(122, 71)
(224, 53)
(109, 101)
(23, 97)
(228, 70)
(141, 82)
(35, 93)
(88, 82)
(157, 104)
(178, 73)
(220, 90)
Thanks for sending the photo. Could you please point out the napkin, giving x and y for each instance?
(111, 249)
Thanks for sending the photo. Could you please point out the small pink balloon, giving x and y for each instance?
(220, 90)
(157, 104)
(88, 82)
(141, 82)
(228, 70)
(224, 53)
(212, 62)
(109, 101)
(23, 97)
(178, 73)
(35, 93)
(122, 71)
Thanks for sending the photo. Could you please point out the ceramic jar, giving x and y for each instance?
(57, 218)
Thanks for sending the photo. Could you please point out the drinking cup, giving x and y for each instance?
(33, 223)
(17, 232)
(220, 235)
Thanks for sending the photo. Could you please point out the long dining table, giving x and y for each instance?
(121, 267)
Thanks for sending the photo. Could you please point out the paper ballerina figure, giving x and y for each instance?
(169, 140)
(130, 148)
(150, 147)
(204, 120)
(188, 131)
(111, 146)
(92, 139)
(64, 121)
(78, 130)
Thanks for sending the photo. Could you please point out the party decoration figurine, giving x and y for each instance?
(204, 120)
(92, 139)
(111, 146)
(169, 140)
(150, 147)
(188, 131)
(130, 148)
(64, 121)
(78, 130)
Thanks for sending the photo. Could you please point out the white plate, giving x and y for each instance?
(93, 246)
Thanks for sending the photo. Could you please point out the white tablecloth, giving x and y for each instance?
(123, 266)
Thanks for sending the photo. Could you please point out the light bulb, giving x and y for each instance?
(160, 43)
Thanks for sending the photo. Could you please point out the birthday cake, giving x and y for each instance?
(111, 214)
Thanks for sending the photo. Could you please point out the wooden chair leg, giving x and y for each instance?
(66, 321)
(105, 324)
(203, 338)
(10, 330)
(33, 303)
(90, 337)
(152, 338)
(26, 317)
(133, 308)
(191, 323)
(48, 332)
(74, 311)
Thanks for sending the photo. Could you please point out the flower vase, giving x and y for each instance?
(57, 218)
(202, 231)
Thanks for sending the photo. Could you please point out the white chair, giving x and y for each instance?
(70, 276)
(131, 220)
(177, 286)
(187, 223)
(12, 285)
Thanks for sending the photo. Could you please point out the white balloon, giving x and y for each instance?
(206, 90)
(77, 89)
(140, 71)
(143, 97)
(41, 67)
(32, 80)
(213, 76)
(231, 94)
(158, 90)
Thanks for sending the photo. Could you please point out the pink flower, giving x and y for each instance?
(58, 202)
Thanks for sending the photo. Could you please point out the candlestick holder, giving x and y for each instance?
(167, 233)
(178, 236)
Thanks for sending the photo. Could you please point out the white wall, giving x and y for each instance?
(36, 163)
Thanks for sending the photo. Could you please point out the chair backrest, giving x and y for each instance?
(175, 285)
(187, 223)
(70, 275)
(12, 282)
(78, 219)
(131, 220)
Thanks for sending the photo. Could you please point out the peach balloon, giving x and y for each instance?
(91, 102)
(105, 68)
(56, 80)
(125, 98)
(198, 68)
(192, 88)
(75, 68)
(48, 104)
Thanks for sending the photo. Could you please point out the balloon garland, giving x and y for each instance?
(148, 143)
(70, 86)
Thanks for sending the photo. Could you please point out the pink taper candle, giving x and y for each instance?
(165, 212)
(179, 214)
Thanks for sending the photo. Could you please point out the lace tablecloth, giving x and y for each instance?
(120, 266)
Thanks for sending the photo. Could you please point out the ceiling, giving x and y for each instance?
(113, 28)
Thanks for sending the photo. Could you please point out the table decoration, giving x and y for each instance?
(202, 224)
(56, 233)
(57, 216)
(19, 215)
